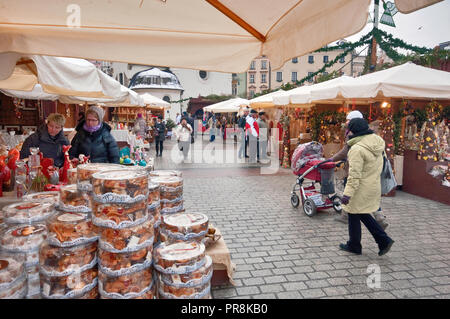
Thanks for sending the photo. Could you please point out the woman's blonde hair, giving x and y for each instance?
(57, 119)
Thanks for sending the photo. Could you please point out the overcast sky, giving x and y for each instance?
(426, 27)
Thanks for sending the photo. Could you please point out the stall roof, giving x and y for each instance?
(211, 35)
(228, 106)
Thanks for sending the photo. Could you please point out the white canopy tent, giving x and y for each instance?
(404, 81)
(228, 106)
(302, 94)
(152, 101)
(214, 35)
(266, 100)
(59, 76)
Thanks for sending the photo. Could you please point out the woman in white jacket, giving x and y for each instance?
(183, 133)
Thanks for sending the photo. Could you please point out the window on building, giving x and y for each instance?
(263, 78)
(294, 60)
(311, 59)
(279, 76)
(325, 59)
(252, 65)
(252, 93)
(311, 80)
(263, 64)
(294, 77)
(252, 78)
(166, 98)
(121, 78)
(342, 60)
(234, 90)
(203, 74)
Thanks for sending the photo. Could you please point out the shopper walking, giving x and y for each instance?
(342, 156)
(252, 130)
(183, 134)
(362, 194)
(244, 140)
(263, 135)
(160, 136)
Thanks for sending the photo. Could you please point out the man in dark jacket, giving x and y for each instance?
(244, 137)
(94, 139)
(49, 138)
(160, 135)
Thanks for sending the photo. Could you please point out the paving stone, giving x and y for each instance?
(335, 291)
(275, 279)
(294, 286)
(318, 275)
(272, 288)
(312, 293)
(251, 290)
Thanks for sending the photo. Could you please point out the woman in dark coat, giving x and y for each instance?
(49, 138)
(94, 139)
(160, 135)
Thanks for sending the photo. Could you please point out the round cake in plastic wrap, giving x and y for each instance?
(116, 264)
(179, 258)
(155, 212)
(195, 278)
(13, 278)
(170, 292)
(184, 227)
(74, 200)
(33, 282)
(75, 285)
(127, 239)
(119, 215)
(129, 286)
(85, 172)
(158, 173)
(72, 175)
(170, 187)
(153, 194)
(26, 240)
(27, 212)
(67, 229)
(57, 261)
(42, 197)
(171, 206)
(121, 186)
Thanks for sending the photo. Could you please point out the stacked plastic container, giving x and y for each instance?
(183, 227)
(126, 234)
(13, 277)
(171, 193)
(184, 271)
(68, 259)
(25, 232)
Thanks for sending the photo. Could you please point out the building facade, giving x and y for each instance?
(258, 76)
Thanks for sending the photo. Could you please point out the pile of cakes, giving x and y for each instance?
(183, 271)
(13, 278)
(68, 259)
(126, 234)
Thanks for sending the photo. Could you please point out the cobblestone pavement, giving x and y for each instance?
(280, 252)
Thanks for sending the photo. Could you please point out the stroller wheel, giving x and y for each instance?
(295, 200)
(309, 207)
(337, 203)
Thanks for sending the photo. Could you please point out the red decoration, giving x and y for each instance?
(67, 165)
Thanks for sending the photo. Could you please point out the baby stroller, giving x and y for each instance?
(308, 163)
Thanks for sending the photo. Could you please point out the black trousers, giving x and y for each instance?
(354, 231)
(159, 147)
(246, 146)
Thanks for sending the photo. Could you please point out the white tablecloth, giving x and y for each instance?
(126, 136)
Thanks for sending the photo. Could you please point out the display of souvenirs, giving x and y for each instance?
(184, 227)
(57, 261)
(75, 285)
(127, 239)
(13, 278)
(67, 229)
(42, 197)
(122, 263)
(28, 212)
(429, 146)
(126, 286)
(74, 200)
(158, 173)
(120, 186)
(117, 216)
(179, 258)
(85, 172)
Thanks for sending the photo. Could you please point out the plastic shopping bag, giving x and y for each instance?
(388, 181)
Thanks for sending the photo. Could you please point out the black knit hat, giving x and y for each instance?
(359, 127)
(253, 111)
